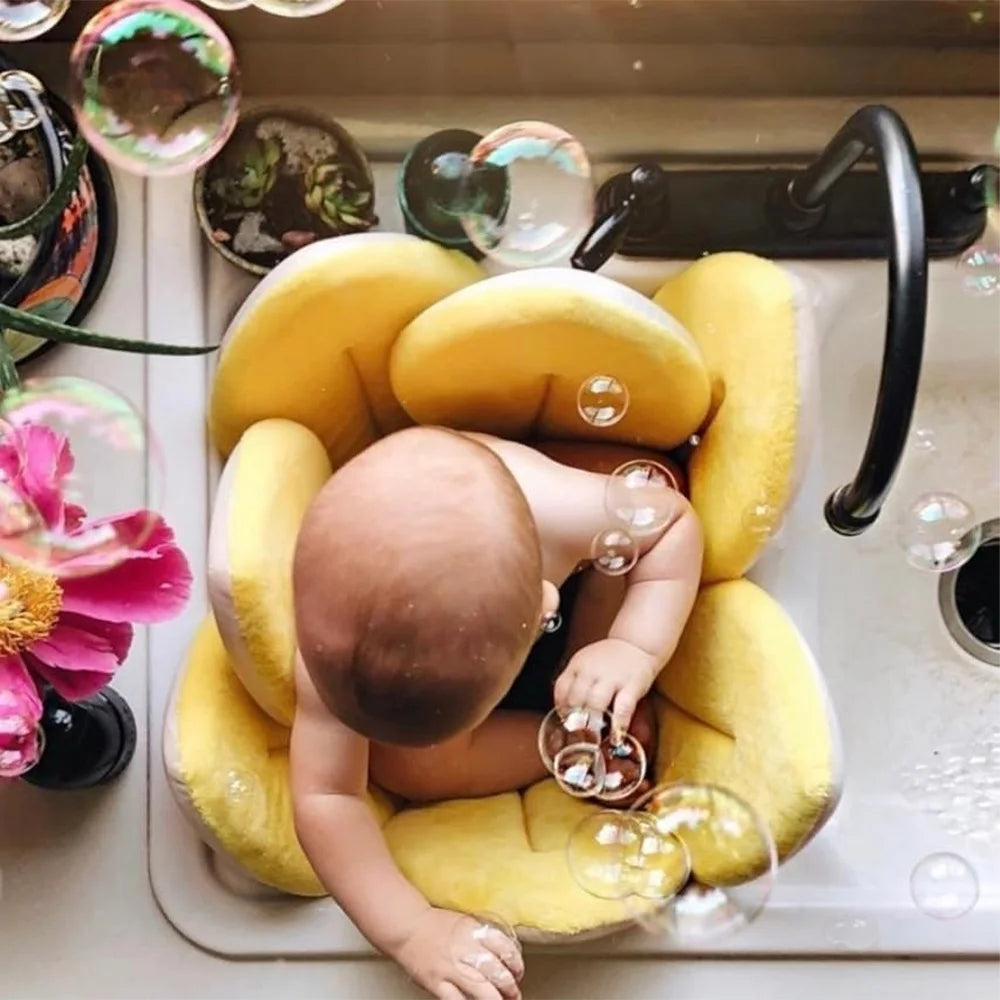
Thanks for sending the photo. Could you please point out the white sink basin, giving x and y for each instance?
(905, 694)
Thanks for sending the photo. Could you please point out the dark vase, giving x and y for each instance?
(87, 742)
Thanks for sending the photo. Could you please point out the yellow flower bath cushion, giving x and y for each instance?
(770, 740)
(508, 356)
(311, 342)
(268, 482)
(753, 325)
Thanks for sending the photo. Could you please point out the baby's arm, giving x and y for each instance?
(619, 670)
(443, 951)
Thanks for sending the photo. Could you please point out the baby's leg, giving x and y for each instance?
(500, 756)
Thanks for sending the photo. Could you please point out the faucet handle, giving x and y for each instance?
(639, 201)
(978, 188)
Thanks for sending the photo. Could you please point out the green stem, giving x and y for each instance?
(8, 368)
(53, 206)
(48, 329)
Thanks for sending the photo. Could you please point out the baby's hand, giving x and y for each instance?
(610, 674)
(456, 957)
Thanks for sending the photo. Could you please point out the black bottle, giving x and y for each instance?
(87, 742)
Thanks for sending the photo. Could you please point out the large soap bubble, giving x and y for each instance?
(66, 447)
(549, 203)
(154, 85)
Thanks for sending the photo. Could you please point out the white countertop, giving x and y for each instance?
(79, 918)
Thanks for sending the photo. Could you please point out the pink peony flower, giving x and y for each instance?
(74, 632)
(20, 710)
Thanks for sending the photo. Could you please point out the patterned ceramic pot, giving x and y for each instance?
(57, 273)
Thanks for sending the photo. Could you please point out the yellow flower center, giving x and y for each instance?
(29, 605)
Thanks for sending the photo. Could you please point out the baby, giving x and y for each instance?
(424, 573)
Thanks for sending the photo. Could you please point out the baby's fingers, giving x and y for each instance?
(506, 949)
(625, 704)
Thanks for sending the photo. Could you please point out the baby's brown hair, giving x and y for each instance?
(418, 587)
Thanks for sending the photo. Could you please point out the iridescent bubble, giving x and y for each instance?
(944, 886)
(732, 858)
(24, 19)
(614, 552)
(641, 495)
(602, 400)
(67, 448)
(613, 855)
(564, 727)
(487, 943)
(579, 770)
(527, 198)
(624, 767)
(979, 268)
(939, 532)
(297, 8)
(154, 86)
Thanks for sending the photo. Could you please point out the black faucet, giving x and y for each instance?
(783, 214)
(800, 206)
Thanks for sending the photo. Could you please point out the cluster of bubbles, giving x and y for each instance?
(523, 195)
(154, 86)
(587, 758)
(944, 886)
(694, 861)
(939, 532)
(640, 497)
(83, 534)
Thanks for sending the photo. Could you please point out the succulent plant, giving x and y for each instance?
(257, 174)
(339, 197)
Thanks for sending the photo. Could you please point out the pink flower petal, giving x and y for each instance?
(45, 462)
(152, 584)
(81, 655)
(20, 712)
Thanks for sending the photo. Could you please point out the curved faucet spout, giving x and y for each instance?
(854, 507)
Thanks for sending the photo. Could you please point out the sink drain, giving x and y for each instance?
(970, 599)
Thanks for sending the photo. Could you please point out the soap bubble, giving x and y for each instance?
(923, 440)
(939, 532)
(547, 202)
(979, 268)
(641, 496)
(602, 400)
(564, 727)
(24, 19)
(579, 770)
(614, 855)
(494, 950)
(944, 886)
(614, 552)
(297, 8)
(732, 859)
(107, 441)
(624, 767)
(154, 86)
(761, 519)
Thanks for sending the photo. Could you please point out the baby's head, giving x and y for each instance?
(418, 587)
